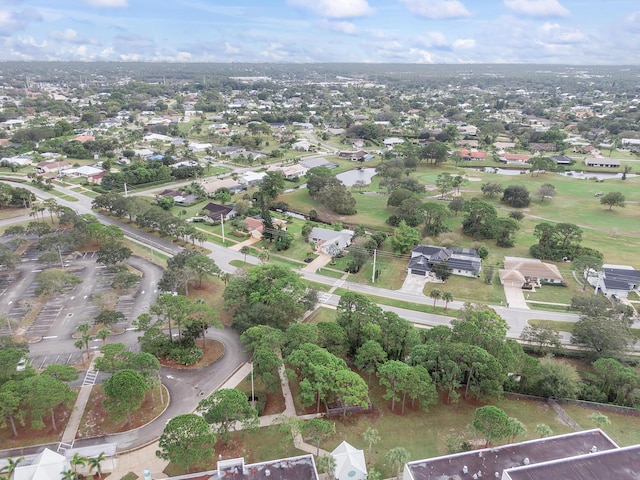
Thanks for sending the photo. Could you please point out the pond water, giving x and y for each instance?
(350, 177)
(572, 174)
(599, 176)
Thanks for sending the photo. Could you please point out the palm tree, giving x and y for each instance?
(447, 297)
(10, 467)
(370, 435)
(435, 294)
(245, 250)
(327, 464)
(263, 256)
(85, 338)
(225, 277)
(78, 461)
(95, 463)
(103, 334)
(398, 456)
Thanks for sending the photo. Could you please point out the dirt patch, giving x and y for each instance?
(30, 436)
(214, 350)
(473, 179)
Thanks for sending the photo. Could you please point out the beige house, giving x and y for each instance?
(518, 272)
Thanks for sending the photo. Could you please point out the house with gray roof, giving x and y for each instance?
(617, 280)
(326, 240)
(463, 261)
(310, 163)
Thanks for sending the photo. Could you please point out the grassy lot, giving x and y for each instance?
(466, 289)
(322, 314)
(417, 307)
(624, 429)
(574, 200)
(561, 326)
(568, 326)
(424, 435)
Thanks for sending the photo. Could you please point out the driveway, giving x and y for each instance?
(415, 283)
(515, 297)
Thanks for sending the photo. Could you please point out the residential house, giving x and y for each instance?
(326, 240)
(514, 157)
(96, 178)
(302, 145)
(179, 197)
(252, 178)
(467, 143)
(292, 468)
(310, 163)
(392, 141)
(562, 160)
(84, 138)
(463, 261)
(84, 171)
(216, 212)
(502, 461)
(504, 145)
(51, 167)
(211, 186)
(469, 155)
(17, 161)
(615, 280)
(602, 162)
(543, 147)
(335, 132)
(521, 272)
(255, 227)
(289, 172)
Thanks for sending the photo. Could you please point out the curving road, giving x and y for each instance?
(187, 387)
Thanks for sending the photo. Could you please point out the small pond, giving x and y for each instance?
(350, 177)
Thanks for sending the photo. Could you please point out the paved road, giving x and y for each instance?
(187, 387)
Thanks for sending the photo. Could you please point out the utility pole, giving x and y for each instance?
(373, 275)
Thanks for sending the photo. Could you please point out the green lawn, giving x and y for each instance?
(424, 435)
(624, 429)
(322, 314)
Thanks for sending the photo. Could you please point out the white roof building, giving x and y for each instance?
(350, 463)
(48, 465)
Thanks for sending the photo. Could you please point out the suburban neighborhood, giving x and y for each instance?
(338, 271)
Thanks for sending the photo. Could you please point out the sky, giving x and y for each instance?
(308, 31)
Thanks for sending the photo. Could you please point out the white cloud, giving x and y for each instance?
(275, 52)
(554, 33)
(538, 8)
(70, 36)
(108, 3)
(432, 39)
(422, 56)
(12, 21)
(183, 57)
(632, 22)
(231, 50)
(335, 8)
(436, 9)
(464, 43)
(342, 27)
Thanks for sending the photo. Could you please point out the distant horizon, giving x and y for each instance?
(437, 32)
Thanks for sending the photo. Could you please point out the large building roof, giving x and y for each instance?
(293, 468)
(489, 461)
(618, 464)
